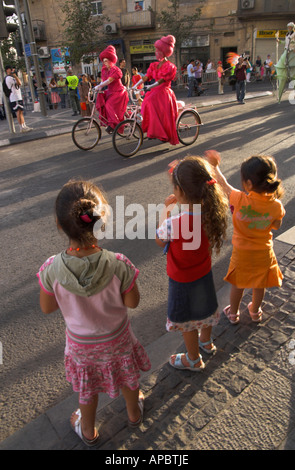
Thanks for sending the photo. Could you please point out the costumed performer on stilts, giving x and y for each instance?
(159, 107)
(112, 103)
(285, 67)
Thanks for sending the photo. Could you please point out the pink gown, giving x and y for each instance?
(159, 107)
(112, 103)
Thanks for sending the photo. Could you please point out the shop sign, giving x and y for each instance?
(197, 41)
(270, 33)
(142, 49)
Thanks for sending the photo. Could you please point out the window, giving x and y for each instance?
(96, 8)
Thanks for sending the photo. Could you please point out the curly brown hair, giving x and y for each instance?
(192, 175)
(77, 210)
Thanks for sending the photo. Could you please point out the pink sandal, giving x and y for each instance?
(256, 317)
(234, 319)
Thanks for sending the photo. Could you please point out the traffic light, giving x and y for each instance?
(5, 27)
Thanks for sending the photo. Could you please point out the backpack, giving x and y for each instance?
(6, 90)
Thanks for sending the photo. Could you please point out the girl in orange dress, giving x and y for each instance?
(256, 212)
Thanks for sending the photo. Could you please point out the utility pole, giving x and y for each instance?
(40, 88)
(22, 36)
(5, 99)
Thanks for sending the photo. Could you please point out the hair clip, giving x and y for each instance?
(86, 218)
(172, 166)
(212, 181)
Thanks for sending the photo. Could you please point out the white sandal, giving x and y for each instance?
(77, 428)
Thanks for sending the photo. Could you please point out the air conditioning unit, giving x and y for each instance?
(110, 28)
(44, 52)
(247, 4)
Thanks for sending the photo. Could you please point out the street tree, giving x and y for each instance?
(83, 31)
(181, 26)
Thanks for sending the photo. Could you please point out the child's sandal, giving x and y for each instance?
(177, 364)
(256, 317)
(211, 350)
(233, 318)
(77, 428)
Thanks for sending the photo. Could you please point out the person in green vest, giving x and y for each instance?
(73, 82)
(62, 89)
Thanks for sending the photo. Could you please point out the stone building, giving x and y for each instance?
(242, 26)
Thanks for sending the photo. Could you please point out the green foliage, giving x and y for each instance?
(9, 52)
(83, 32)
(175, 23)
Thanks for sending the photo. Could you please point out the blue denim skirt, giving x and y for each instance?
(189, 301)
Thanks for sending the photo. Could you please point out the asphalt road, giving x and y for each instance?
(31, 174)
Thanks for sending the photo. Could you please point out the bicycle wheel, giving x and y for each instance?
(86, 133)
(188, 126)
(127, 138)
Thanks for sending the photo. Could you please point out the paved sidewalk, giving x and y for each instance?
(61, 121)
(243, 400)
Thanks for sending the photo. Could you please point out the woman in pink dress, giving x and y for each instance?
(112, 103)
(159, 107)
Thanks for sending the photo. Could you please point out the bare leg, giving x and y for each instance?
(88, 413)
(205, 337)
(235, 299)
(191, 339)
(257, 298)
(131, 398)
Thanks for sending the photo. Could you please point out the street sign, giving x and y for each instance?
(28, 51)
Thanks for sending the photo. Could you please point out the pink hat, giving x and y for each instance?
(166, 45)
(109, 53)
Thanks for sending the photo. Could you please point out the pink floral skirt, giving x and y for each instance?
(105, 367)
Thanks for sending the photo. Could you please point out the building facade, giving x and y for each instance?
(242, 26)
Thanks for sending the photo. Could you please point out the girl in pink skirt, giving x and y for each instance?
(93, 288)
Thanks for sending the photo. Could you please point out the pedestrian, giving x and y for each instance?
(54, 96)
(255, 212)
(189, 238)
(126, 75)
(111, 103)
(93, 288)
(84, 87)
(240, 72)
(13, 83)
(62, 90)
(191, 79)
(159, 107)
(73, 82)
(221, 77)
(267, 66)
(139, 90)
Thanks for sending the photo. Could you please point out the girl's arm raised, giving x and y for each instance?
(213, 157)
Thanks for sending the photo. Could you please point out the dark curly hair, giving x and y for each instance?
(192, 175)
(78, 207)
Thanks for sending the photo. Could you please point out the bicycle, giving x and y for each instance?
(86, 132)
(128, 135)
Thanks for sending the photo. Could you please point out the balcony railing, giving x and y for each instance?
(138, 20)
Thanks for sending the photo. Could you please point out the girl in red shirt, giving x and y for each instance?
(189, 239)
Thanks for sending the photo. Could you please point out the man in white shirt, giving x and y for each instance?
(13, 83)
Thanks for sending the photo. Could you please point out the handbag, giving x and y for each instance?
(83, 106)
